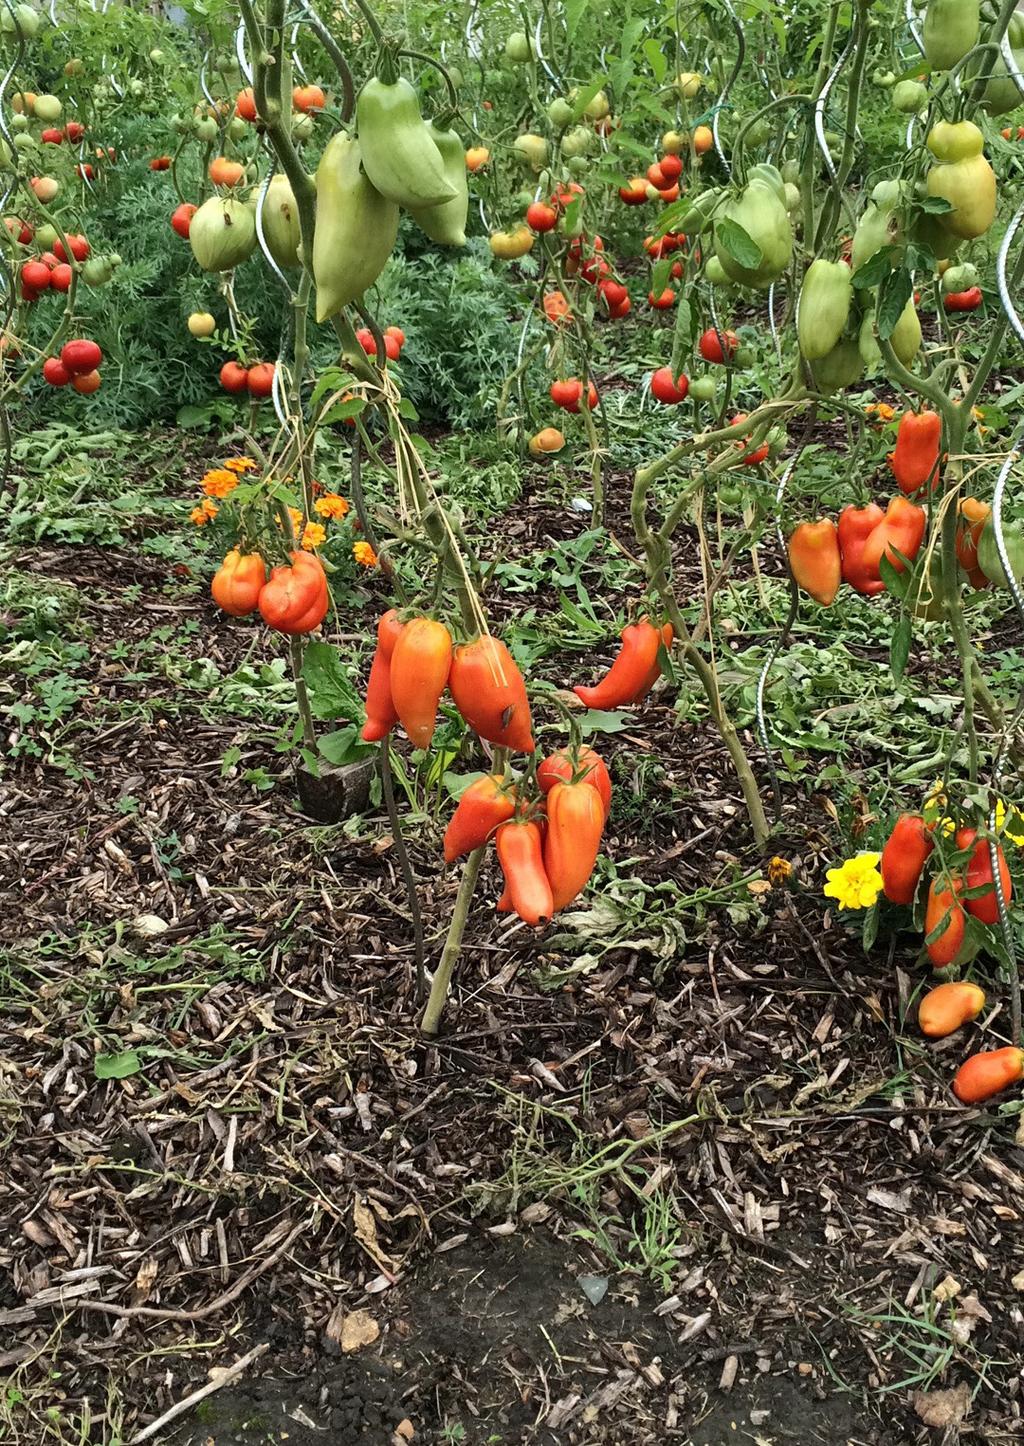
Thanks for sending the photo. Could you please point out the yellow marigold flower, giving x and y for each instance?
(240, 464)
(331, 505)
(313, 535)
(856, 884)
(219, 482)
(1013, 827)
(364, 554)
(779, 871)
(934, 809)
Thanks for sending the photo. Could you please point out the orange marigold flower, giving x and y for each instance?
(313, 535)
(331, 505)
(884, 411)
(779, 870)
(203, 514)
(219, 482)
(240, 464)
(364, 554)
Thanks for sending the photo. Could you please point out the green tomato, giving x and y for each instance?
(157, 57)
(45, 237)
(24, 19)
(19, 122)
(237, 128)
(730, 495)
(206, 129)
(715, 272)
(988, 553)
(702, 389)
(48, 108)
(744, 356)
(302, 126)
(884, 78)
(758, 133)
(559, 112)
(518, 48)
(577, 166)
(909, 97)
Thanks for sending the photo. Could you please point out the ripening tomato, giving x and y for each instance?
(987, 1074)
(671, 168)
(35, 275)
(245, 104)
(490, 693)
(60, 278)
(575, 816)
(295, 599)
(948, 1007)
(635, 194)
(664, 301)
(381, 713)
(520, 854)
(308, 97)
(587, 767)
(86, 382)
(420, 664)
(540, 217)
(238, 582)
(397, 333)
(226, 173)
(483, 807)
(234, 378)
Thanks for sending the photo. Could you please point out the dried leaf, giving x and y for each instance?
(941, 1408)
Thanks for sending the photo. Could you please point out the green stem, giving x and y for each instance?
(441, 983)
(297, 648)
(404, 863)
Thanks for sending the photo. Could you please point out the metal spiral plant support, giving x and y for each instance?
(908, 11)
(552, 77)
(723, 96)
(1004, 290)
(240, 55)
(822, 102)
(277, 389)
(1010, 61)
(7, 272)
(297, 66)
(772, 327)
(775, 649)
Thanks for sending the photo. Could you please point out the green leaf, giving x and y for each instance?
(656, 60)
(933, 205)
(116, 1066)
(682, 335)
(457, 783)
(896, 582)
(596, 721)
(743, 249)
(660, 273)
(343, 411)
(344, 746)
(893, 295)
(331, 693)
(585, 96)
(875, 269)
(899, 646)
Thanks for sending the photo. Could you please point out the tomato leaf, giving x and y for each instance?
(899, 646)
(896, 582)
(656, 60)
(875, 269)
(934, 205)
(871, 927)
(331, 694)
(116, 1066)
(736, 242)
(893, 294)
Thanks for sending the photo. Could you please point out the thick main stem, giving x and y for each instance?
(442, 980)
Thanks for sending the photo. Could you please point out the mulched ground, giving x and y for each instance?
(292, 1153)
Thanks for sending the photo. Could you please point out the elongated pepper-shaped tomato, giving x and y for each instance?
(855, 526)
(490, 693)
(915, 461)
(238, 582)
(987, 1074)
(575, 824)
(483, 807)
(970, 524)
(904, 856)
(420, 662)
(814, 559)
(522, 862)
(587, 767)
(634, 672)
(979, 875)
(381, 713)
(948, 1007)
(944, 904)
(901, 530)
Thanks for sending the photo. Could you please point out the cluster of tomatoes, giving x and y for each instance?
(73, 132)
(78, 364)
(305, 98)
(160, 163)
(963, 889)
(51, 271)
(293, 600)
(394, 340)
(257, 380)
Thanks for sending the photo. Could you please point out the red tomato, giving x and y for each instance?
(55, 372)
(260, 379)
(245, 104)
(392, 347)
(60, 278)
(718, 346)
(668, 389)
(664, 301)
(81, 356)
(397, 333)
(79, 248)
(671, 168)
(613, 293)
(181, 218)
(51, 136)
(233, 378)
(35, 275)
(657, 177)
